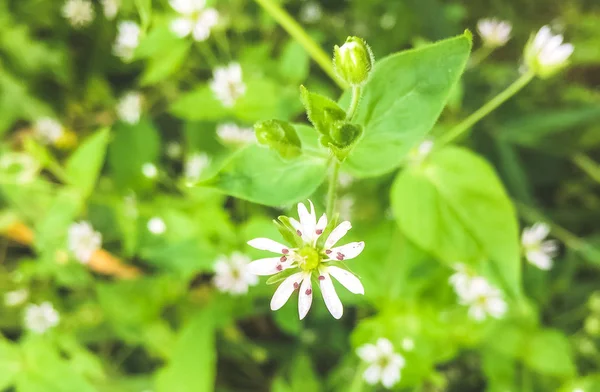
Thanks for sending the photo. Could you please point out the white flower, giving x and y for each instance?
(227, 84)
(494, 32)
(461, 279)
(129, 108)
(149, 170)
(173, 150)
(385, 364)
(194, 18)
(83, 241)
(110, 8)
(48, 130)
(40, 318)
(537, 251)
(311, 12)
(128, 39)
(483, 299)
(545, 53)
(79, 13)
(18, 167)
(195, 164)
(230, 133)
(232, 274)
(310, 260)
(16, 297)
(156, 225)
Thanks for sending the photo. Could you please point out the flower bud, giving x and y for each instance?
(353, 61)
(280, 136)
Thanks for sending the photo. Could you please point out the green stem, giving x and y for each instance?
(297, 32)
(586, 164)
(487, 108)
(332, 191)
(479, 55)
(354, 103)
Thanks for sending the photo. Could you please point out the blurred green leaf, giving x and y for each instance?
(549, 352)
(166, 64)
(294, 62)
(10, 363)
(84, 165)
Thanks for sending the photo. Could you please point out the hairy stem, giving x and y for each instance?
(486, 109)
(356, 91)
(332, 190)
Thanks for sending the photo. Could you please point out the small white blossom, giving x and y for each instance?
(310, 260)
(195, 165)
(129, 108)
(79, 13)
(311, 12)
(483, 299)
(546, 53)
(156, 225)
(18, 167)
(128, 39)
(48, 130)
(83, 241)
(227, 84)
(110, 8)
(230, 133)
(173, 150)
(537, 251)
(494, 32)
(16, 297)
(149, 170)
(384, 363)
(232, 274)
(40, 318)
(193, 18)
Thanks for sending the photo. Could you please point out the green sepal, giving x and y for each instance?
(280, 136)
(331, 224)
(322, 112)
(287, 231)
(281, 276)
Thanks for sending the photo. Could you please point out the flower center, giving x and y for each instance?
(310, 258)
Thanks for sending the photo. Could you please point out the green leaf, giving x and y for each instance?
(145, 10)
(454, 206)
(294, 62)
(402, 101)
(192, 365)
(549, 352)
(280, 136)
(157, 41)
(166, 64)
(262, 176)
(10, 363)
(84, 165)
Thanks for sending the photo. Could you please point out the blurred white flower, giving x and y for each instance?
(79, 13)
(195, 164)
(232, 274)
(310, 261)
(345, 180)
(345, 206)
(537, 251)
(18, 167)
(193, 18)
(156, 225)
(110, 8)
(227, 84)
(418, 154)
(384, 363)
(129, 108)
(483, 299)
(128, 39)
(173, 150)
(545, 53)
(83, 241)
(461, 279)
(230, 133)
(48, 130)
(494, 32)
(40, 318)
(149, 170)
(311, 12)
(408, 344)
(16, 297)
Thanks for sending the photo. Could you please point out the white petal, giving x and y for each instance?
(347, 252)
(477, 313)
(372, 374)
(332, 301)
(285, 290)
(368, 353)
(384, 346)
(210, 17)
(305, 296)
(542, 37)
(397, 359)
(496, 307)
(337, 233)
(347, 279)
(181, 27)
(390, 376)
(201, 31)
(321, 225)
(539, 259)
(308, 220)
(264, 267)
(268, 244)
(186, 6)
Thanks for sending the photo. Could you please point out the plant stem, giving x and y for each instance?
(479, 55)
(332, 190)
(299, 34)
(487, 108)
(354, 103)
(586, 164)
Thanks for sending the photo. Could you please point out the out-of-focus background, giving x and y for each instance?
(116, 114)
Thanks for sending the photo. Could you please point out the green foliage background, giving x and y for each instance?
(169, 329)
